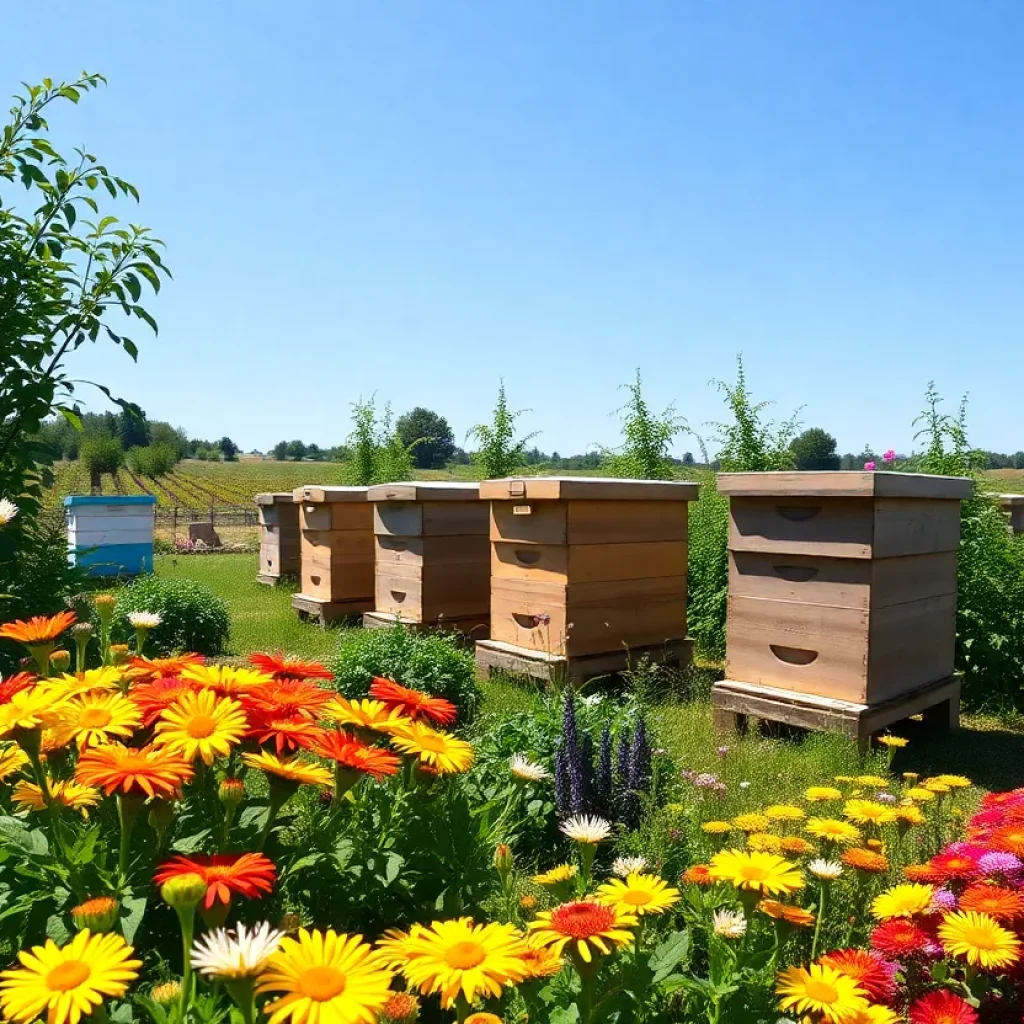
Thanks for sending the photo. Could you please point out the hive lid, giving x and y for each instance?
(110, 499)
(845, 484)
(425, 490)
(602, 488)
(315, 494)
(275, 497)
(1008, 500)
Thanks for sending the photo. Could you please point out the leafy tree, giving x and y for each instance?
(500, 454)
(61, 276)
(814, 449)
(378, 452)
(1018, 460)
(228, 449)
(429, 437)
(101, 454)
(152, 460)
(164, 434)
(644, 454)
(296, 450)
(281, 451)
(133, 429)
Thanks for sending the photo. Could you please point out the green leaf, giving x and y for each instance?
(143, 315)
(30, 841)
(57, 929)
(393, 866)
(132, 909)
(192, 844)
(669, 955)
(71, 415)
(565, 1015)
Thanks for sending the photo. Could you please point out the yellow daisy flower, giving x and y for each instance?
(583, 926)
(557, 875)
(784, 812)
(895, 742)
(12, 759)
(92, 680)
(908, 814)
(201, 725)
(874, 781)
(751, 822)
(920, 795)
(822, 794)
(97, 718)
(954, 781)
(441, 751)
(902, 901)
(868, 812)
(640, 894)
(64, 794)
(764, 841)
(365, 714)
(979, 939)
(293, 769)
(716, 828)
(225, 680)
(760, 872)
(833, 830)
(822, 991)
(28, 709)
(935, 786)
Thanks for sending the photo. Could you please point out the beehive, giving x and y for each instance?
(842, 585)
(280, 553)
(336, 551)
(111, 535)
(584, 568)
(432, 554)
(1013, 506)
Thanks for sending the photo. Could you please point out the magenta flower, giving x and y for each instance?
(869, 466)
(889, 456)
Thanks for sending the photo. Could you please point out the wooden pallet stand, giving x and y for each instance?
(432, 558)
(585, 573)
(1013, 506)
(842, 595)
(280, 541)
(495, 656)
(336, 548)
(734, 703)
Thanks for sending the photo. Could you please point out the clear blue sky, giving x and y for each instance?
(415, 199)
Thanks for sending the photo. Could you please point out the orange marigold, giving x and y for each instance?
(40, 629)
(414, 703)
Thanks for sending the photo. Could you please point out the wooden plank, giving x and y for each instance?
(324, 610)
(475, 626)
(834, 528)
(314, 517)
(545, 563)
(806, 648)
(621, 522)
(424, 490)
(346, 516)
(581, 488)
(456, 518)
(275, 497)
(398, 518)
(588, 563)
(845, 485)
(439, 551)
(347, 545)
(528, 522)
(841, 582)
(331, 495)
(529, 614)
(906, 526)
(399, 595)
(434, 592)
(899, 580)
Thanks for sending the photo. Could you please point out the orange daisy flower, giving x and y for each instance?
(40, 629)
(287, 734)
(698, 874)
(154, 668)
(155, 697)
(414, 703)
(866, 860)
(995, 900)
(351, 753)
(248, 874)
(280, 667)
(922, 873)
(15, 684)
(288, 698)
(150, 771)
(787, 912)
(1008, 839)
(954, 865)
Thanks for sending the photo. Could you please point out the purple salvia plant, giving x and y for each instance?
(603, 779)
(563, 798)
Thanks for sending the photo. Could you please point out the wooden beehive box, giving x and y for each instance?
(336, 524)
(432, 554)
(842, 585)
(1013, 506)
(280, 553)
(584, 567)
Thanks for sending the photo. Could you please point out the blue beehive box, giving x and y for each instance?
(111, 535)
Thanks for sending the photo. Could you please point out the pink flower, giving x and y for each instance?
(869, 466)
(889, 456)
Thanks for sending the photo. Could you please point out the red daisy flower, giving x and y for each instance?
(287, 734)
(351, 753)
(899, 937)
(249, 874)
(942, 1007)
(876, 976)
(951, 865)
(414, 703)
(288, 698)
(15, 684)
(280, 667)
(1013, 796)
(153, 698)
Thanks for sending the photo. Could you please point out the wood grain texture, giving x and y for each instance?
(621, 522)
(529, 522)
(906, 526)
(811, 579)
(588, 563)
(830, 527)
(428, 593)
(854, 484)
(558, 488)
(275, 497)
(331, 495)
(424, 490)
(439, 551)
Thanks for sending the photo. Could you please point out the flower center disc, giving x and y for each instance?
(94, 718)
(465, 955)
(434, 744)
(821, 992)
(637, 898)
(67, 976)
(980, 938)
(322, 983)
(752, 873)
(200, 726)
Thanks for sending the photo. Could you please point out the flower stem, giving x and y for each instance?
(276, 801)
(187, 920)
(821, 917)
(128, 808)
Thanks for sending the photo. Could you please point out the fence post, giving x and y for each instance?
(174, 527)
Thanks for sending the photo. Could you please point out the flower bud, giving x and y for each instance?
(503, 859)
(161, 814)
(82, 631)
(60, 661)
(183, 892)
(528, 903)
(231, 792)
(875, 844)
(120, 653)
(484, 1018)
(166, 992)
(105, 605)
(98, 915)
(401, 1008)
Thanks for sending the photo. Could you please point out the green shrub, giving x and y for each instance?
(194, 617)
(433, 662)
(152, 461)
(647, 438)
(501, 452)
(101, 454)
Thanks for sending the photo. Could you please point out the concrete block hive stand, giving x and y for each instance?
(842, 600)
(587, 575)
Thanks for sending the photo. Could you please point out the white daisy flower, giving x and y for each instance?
(528, 771)
(230, 955)
(586, 829)
(8, 510)
(144, 620)
(826, 870)
(729, 924)
(626, 866)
